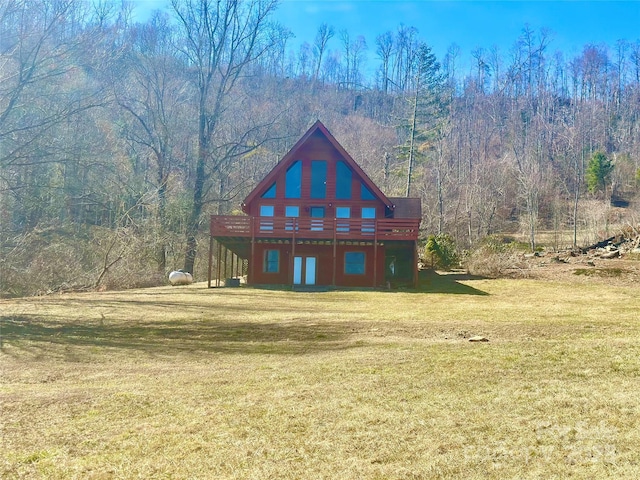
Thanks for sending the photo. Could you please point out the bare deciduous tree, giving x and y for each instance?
(324, 34)
(218, 40)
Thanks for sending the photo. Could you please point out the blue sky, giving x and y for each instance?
(469, 23)
(472, 23)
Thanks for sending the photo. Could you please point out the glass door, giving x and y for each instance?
(304, 270)
(297, 270)
(310, 273)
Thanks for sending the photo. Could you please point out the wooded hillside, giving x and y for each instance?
(118, 139)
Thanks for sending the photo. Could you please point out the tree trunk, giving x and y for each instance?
(193, 225)
(412, 143)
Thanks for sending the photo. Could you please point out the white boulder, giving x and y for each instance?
(178, 277)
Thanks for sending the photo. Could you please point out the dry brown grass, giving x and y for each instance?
(255, 384)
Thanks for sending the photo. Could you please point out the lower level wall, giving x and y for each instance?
(329, 268)
(400, 263)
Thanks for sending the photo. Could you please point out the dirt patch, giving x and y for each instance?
(572, 267)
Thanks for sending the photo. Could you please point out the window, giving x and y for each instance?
(343, 181)
(266, 211)
(354, 263)
(271, 261)
(365, 193)
(271, 192)
(291, 211)
(293, 180)
(368, 213)
(318, 179)
(342, 212)
(317, 214)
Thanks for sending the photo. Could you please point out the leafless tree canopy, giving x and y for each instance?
(118, 139)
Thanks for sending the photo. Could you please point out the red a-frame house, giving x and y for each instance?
(318, 219)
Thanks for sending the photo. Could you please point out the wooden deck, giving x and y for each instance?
(240, 226)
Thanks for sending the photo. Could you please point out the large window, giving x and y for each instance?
(271, 261)
(318, 179)
(343, 181)
(266, 211)
(293, 180)
(354, 263)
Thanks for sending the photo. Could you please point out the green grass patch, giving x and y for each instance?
(244, 383)
(601, 272)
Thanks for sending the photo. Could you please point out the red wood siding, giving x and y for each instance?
(317, 147)
(324, 254)
(326, 239)
(305, 228)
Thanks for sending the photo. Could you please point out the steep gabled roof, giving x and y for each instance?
(290, 156)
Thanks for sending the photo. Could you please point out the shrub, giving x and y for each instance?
(495, 256)
(441, 252)
(58, 258)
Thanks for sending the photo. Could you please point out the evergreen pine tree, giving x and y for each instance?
(428, 107)
(598, 172)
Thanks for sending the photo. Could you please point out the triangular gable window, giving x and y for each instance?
(271, 192)
(365, 193)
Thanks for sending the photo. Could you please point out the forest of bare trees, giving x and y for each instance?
(118, 138)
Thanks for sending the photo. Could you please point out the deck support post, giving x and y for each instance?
(210, 267)
(231, 272)
(240, 230)
(415, 264)
(375, 254)
(218, 265)
(293, 250)
(335, 255)
(226, 264)
(253, 250)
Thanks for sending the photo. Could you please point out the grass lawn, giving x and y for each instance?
(197, 383)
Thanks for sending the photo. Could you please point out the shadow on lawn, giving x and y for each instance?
(42, 337)
(431, 281)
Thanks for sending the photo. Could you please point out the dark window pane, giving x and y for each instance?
(365, 193)
(318, 179)
(343, 181)
(317, 212)
(293, 180)
(271, 261)
(354, 263)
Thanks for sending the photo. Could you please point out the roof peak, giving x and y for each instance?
(318, 125)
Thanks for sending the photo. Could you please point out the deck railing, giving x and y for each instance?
(315, 228)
